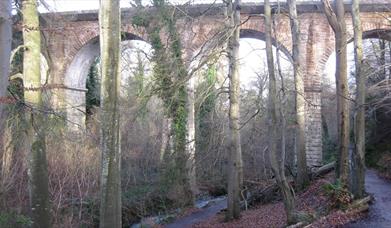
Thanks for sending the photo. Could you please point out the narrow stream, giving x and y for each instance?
(210, 210)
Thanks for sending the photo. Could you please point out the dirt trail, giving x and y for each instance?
(380, 211)
(200, 216)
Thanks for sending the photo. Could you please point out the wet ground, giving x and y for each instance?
(380, 210)
(209, 211)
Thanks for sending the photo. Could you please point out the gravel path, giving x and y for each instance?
(380, 211)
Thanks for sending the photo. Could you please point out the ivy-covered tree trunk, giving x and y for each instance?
(109, 24)
(235, 152)
(302, 175)
(205, 118)
(358, 187)
(171, 81)
(5, 53)
(180, 110)
(37, 165)
(275, 155)
(337, 22)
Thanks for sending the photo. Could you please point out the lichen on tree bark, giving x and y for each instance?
(35, 129)
(109, 22)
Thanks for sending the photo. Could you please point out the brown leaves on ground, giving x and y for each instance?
(313, 201)
(336, 219)
(270, 215)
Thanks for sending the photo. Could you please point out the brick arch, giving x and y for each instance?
(370, 22)
(256, 25)
(202, 32)
(369, 32)
(259, 35)
(373, 25)
(199, 38)
(323, 60)
(45, 68)
(76, 71)
(383, 34)
(203, 40)
(18, 44)
(86, 36)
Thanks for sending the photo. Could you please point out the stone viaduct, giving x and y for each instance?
(72, 44)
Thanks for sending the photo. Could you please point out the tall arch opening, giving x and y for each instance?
(377, 69)
(82, 92)
(212, 108)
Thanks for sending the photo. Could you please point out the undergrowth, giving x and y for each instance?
(340, 197)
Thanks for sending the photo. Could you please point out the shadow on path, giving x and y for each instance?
(199, 216)
(379, 215)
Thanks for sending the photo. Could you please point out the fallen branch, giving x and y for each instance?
(360, 209)
(355, 207)
(360, 203)
(323, 170)
(264, 195)
(271, 192)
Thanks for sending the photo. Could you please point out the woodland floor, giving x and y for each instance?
(314, 201)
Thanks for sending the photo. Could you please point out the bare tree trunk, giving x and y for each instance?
(8, 155)
(5, 53)
(191, 149)
(359, 189)
(235, 153)
(38, 174)
(5, 46)
(302, 174)
(337, 22)
(382, 58)
(264, 170)
(110, 208)
(275, 156)
(389, 67)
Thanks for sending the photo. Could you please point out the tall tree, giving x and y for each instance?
(337, 22)
(5, 53)
(191, 149)
(382, 57)
(171, 82)
(302, 175)
(274, 111)
(179, 108)
(235, 152)
(109, 26)
(5, 46)
(38, 174)
(359, 122)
